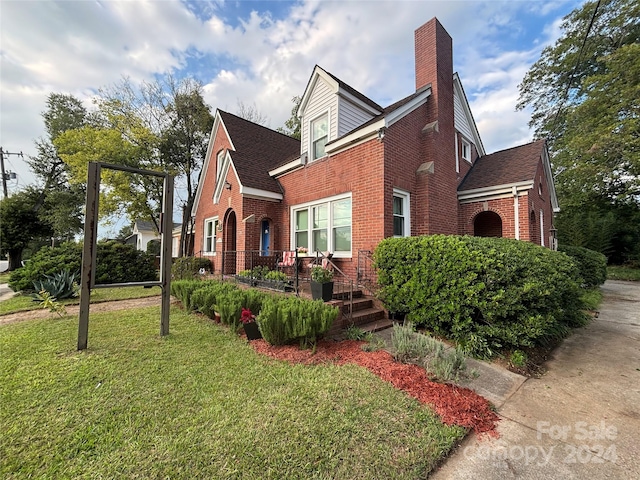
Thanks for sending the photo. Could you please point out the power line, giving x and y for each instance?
(7, 176)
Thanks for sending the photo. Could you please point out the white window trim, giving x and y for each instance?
(308, 205)
(466, 143)
(310, 127)
(210, 253)
(406, 199)
(542, 228)
(457, 154)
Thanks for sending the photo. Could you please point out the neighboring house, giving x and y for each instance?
(143, 233)
(363, 172)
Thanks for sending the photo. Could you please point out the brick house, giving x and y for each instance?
(363, 172)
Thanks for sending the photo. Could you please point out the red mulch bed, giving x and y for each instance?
(455, 405)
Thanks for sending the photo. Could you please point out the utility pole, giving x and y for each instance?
(6, 176)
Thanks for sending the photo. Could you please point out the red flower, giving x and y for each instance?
(247, 316)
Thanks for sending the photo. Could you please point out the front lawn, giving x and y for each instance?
(23, 303)
(199, 403)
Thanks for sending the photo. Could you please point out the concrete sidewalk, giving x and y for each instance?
(581, 419)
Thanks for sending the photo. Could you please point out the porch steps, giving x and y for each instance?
(364, 312)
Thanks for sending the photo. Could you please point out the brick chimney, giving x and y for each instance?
(434, 66)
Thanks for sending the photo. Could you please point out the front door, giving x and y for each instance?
(264, 238)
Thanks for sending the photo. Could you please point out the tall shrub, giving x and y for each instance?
(592, 265)
(115, 263)
(485, 293)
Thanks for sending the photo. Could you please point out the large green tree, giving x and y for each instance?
(292, 125)
(161, 126)
(20, 224)
(584, 94)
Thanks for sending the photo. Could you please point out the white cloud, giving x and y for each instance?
(77, 47)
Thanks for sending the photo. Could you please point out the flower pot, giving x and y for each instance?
(322, 291)
(252, 331)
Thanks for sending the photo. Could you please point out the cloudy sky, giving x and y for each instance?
(263, 53)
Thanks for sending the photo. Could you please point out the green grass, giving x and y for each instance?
(4, 277)
(592, 298)
(618, 272)
(23, 303)
(199, 403)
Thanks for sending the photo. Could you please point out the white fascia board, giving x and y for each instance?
(214, 131)
(356, 101)
(497, 191)
(457, 84)
(546, 165)
(407, 108)
(260, 194)
(297, 163)
(226, 164)
(317, 72)
(355, 137)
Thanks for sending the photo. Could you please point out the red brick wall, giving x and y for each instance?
(501, 206)
(436, 193)
(541, 201)
(358, 171)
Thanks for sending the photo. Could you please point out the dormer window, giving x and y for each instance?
(319, 136)
(466, 150)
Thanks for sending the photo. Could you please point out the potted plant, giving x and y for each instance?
(321, 283)
(249, 324)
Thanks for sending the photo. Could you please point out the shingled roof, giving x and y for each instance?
(258, 149)
(513, 165)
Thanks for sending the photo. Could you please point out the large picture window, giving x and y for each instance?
(324, 226)
(319, 136)
(210, 232)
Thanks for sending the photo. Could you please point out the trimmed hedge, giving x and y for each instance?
(592, 265)
(115, 263)
(281, 319)
(484, 293)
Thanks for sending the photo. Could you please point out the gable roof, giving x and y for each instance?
(257, 149)
(506, 167)
(338, 87)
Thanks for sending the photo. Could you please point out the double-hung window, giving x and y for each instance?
(210, 231)
(319, 136)
(401, 214)
(324, 226)
(466, 150)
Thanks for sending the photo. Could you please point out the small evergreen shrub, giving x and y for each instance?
(205, 297)
(286, 319)
(592, 265)
(485, 293)
(184, 268)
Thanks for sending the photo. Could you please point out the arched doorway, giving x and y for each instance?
(487, 224)
(230, 243)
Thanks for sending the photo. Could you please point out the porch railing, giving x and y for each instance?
(366, 273)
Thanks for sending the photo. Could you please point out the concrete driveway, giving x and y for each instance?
(581, 419)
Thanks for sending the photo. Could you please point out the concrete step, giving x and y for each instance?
(345, 295)
(376, 326)
(367, 315)
(358, 304)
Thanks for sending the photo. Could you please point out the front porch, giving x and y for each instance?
(289, 272)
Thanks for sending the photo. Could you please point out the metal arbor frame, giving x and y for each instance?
(88, 276)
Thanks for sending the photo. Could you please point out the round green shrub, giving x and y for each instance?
(485, 293)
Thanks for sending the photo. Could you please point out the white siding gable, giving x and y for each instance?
(322, 101)
(461, 122)
(350, 116)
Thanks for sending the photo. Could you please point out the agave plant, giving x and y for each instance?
(59, 286)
